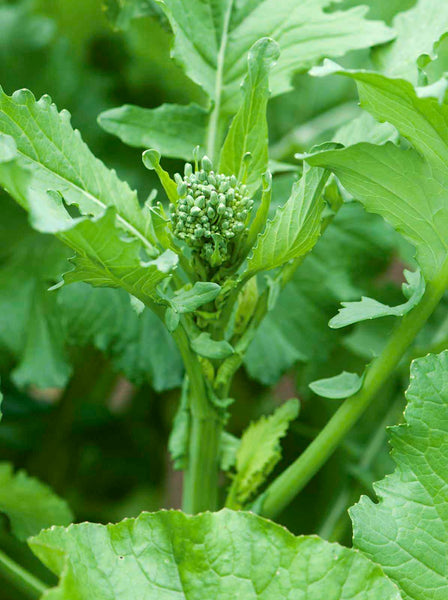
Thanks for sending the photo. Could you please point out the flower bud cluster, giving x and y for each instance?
(211, 212)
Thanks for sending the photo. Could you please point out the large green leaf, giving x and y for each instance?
(225, 555)
(30, 330)
(212, 39)
(295, 227)
(406, 187)
(51, 155)
(422, 120)
(172, 129)
(406, 531)
(29, 504)
(104, 259)
(424, 24)
(249, 129)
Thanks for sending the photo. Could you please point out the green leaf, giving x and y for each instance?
(29, 504)
(424, 24)
(150, 355)
(338, 387)
(405, 531)
(354, 251)
(368, 308)
(169, 555)
(104, 259)
(259, 452)
(205, 346)
(173, 130)
(421, 120)
(138, 344)
(212, 39)
(52, 156)
(405, 187)
(8, 148)
(365, 129)
(186, 301)
(31, 335)
(249, 129)
(295, 227)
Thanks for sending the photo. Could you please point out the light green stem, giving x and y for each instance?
(201, 475)
(20, 578)
(283, 489)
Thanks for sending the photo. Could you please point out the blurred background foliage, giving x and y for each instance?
(91, 387)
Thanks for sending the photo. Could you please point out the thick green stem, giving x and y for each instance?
(201, 475)
(20, 578)
(283, 489)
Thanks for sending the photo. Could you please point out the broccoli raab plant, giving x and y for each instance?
(210, 258)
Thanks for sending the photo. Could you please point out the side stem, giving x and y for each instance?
(283, 489)
(31, 586)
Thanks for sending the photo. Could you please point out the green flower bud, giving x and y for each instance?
(206, 164)
(211, 211)
(182, 189)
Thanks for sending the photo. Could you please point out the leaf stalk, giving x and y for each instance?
(289, 483)
(32, 587)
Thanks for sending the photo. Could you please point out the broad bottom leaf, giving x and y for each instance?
(407, 531)
(221, 556)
